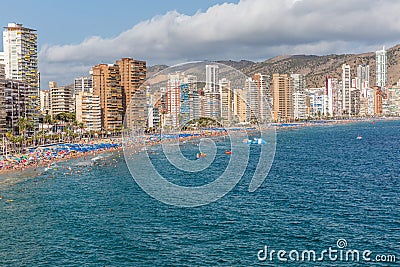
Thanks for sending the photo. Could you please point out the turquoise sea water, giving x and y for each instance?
(324, 185)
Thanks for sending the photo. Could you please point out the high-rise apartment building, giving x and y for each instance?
(20, 54)
(45, 107)
(173, 99)
(332, 92)
(21, 63)
(355, 101)
(239, 104)
(282, 94)
(264, 98)
(299, 105)
(107, 85)
(378, 96)
(88, 110)
(363, 79)
(16, 103)
(61, 99)
(194, 100)
(212, 78)
(184, 113)
(134, 102)
(367, 103)
(299, 82)
(381, 68)
(393, 95)
(226, 100)
(251, 99)
(212, 97)
(299, 96)
(346, 90)
(258, 98)
(83, 84)
(318, 102)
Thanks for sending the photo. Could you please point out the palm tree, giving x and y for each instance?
(10, 138)
(47, 119)
(22, 125)
(81, 127)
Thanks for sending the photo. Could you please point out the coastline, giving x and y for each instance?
(148, 141)
(34, 163)
(294, 125)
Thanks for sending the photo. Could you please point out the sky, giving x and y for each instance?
(75, 35)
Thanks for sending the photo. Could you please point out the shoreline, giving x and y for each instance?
(20, 168)
(40, 157)
(296, 125)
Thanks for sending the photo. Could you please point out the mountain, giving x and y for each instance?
(316, 68)
(151, 70)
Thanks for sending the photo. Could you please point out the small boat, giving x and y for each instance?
(255, 141)
(359, 137)
(200, 155)
(228, 152)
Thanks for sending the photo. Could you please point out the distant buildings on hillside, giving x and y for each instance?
(115, 94)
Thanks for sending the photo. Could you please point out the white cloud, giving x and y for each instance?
(251, 29)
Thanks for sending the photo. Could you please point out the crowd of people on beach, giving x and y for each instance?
(46, 155)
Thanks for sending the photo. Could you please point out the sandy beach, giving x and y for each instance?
(45, 156)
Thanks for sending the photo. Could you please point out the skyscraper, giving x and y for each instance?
(251, 100)
(16, 103)
(263, 97)
(239, 104)
(107, 85)
(332, 86)
(194, 104)
(173, 98)
(20, 59)
(282, 94)
(363, 79)
(134, 103)
(212, 107)
(226, 100)
(20, 54)
(258, 98)
(381, 68)
(299, 96)
(212, 78)
(346, 89)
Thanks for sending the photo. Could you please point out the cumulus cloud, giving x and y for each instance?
(250, 29)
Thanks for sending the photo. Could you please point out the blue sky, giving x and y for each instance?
(76, 35)
(70, 22)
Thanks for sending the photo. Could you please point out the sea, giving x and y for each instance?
(329, 199)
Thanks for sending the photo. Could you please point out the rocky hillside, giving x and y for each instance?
(315, 67)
